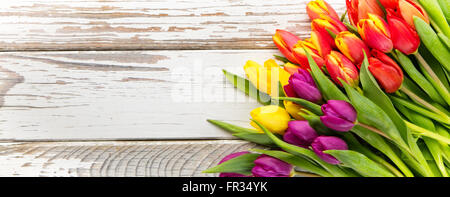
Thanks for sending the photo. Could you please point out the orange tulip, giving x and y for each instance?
(388, 74)
(321, 43)
(375, 33)
(291, 68)
(408, 9)
(340, 67)
(324, 24)
(359, 9)
(404, 38)
(285, 42)
(317, 7)
(351, 46)
(300, 54)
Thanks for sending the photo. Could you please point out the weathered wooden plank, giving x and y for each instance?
(149, 24)
(113, 95)
(129, 159)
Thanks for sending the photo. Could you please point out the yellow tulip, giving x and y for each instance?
(293, 109)
(273, 117)
(267, 76)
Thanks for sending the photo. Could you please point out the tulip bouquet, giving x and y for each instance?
(365, 95)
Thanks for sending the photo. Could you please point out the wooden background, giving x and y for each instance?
(124, 88)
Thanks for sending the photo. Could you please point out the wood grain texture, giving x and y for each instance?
(149, 24)
(118, 159)
(121, 95)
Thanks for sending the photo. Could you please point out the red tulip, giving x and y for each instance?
(392, 4)
(351, 46)
(317, 7)
(340, 67)
(285, 42)
(388, 74)
(404, 38)
(300, 54)
(321, 43)
(375, 33)
(359, 9)
(408, 9)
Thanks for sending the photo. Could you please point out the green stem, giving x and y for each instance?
(436, 82)
(305, 174)
(413, 96)
(425, 132)
(373, 129)
(343, 16)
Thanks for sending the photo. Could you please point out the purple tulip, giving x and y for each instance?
(304, 87)
(324, 143)
(266, 166)
(300, 133)
(338, 115)
(228, 157)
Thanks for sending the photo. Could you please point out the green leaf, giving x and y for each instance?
(230, 127)
(436, 15)
(314, 108)
(258, 138)
(360, 163)
(444, 40)
(328, 89)
(373, 115)
(435, 65)
(248, 88)
(373, 91)
(381, 145)
(426, 86)
(303, 152)
(431, 40)
(242, 164)
(283, 59)
(295, 160)
(445, 7)
(438, 117)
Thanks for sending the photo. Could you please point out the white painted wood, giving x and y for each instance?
(111, 95)
(129, 159)
(149, 24)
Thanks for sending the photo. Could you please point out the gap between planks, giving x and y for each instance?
(116, 158)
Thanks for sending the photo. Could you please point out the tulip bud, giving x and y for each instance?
(324, 24)
(300, 133)
(324, 143)
(272, 117)
(375, 33)
(285, 42)
(408, 9)
(389, 4)
(340, 67)
(293, 109)
(387, 73)
(300, 54)
(404, 38)
(266, 78)
(228, 157)
(321, 43)
(266, 166)
(291, 68)
(351, 46)
(338, 115)
(359, 9)
(316, 8)
(304, 86)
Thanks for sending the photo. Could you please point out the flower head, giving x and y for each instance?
(323, 143)
(340, 67)
(303, 85)
(266, 166)
(300, 133)
(338, 115)
(387, 73)
(375, 33)
(272, 117)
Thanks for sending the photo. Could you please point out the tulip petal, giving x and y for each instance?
(323, 143)
(336, 123)
(266, 166)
